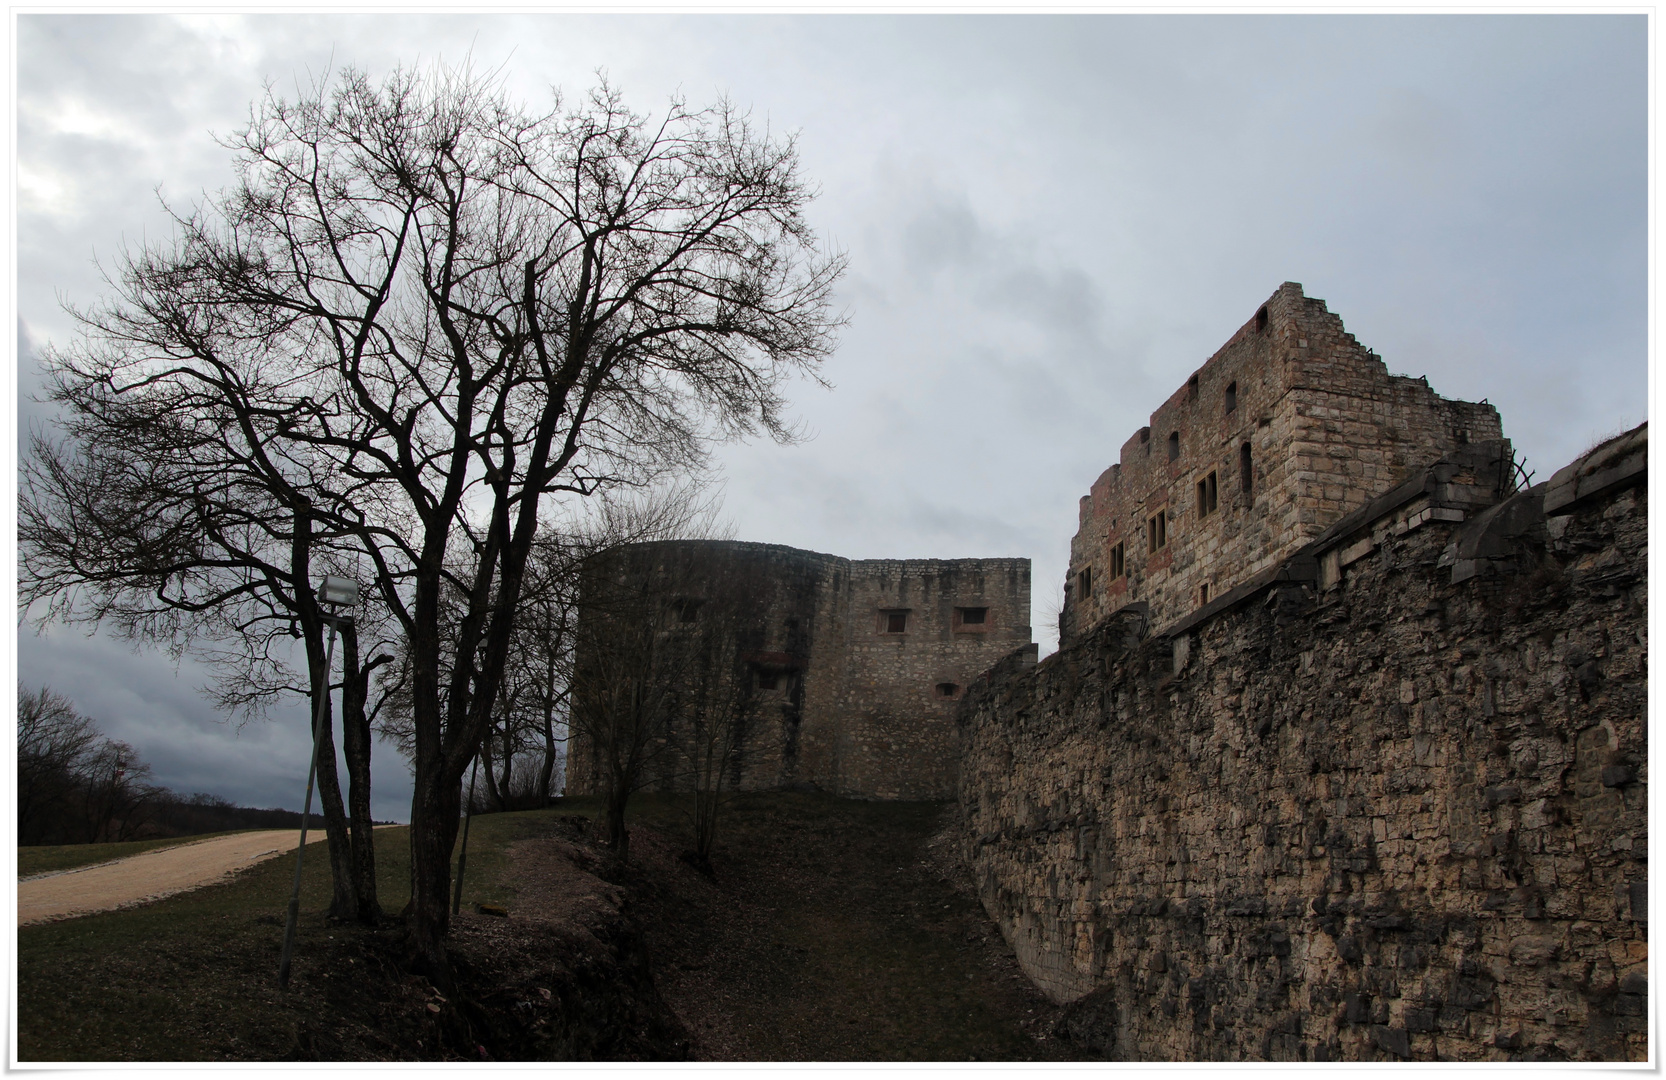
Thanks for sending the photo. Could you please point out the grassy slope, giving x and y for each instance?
(827, 935)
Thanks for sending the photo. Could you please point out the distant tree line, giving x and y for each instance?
(76, 786)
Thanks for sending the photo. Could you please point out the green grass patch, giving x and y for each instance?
(48, 858)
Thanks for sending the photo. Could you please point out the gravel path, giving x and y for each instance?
(150, 875)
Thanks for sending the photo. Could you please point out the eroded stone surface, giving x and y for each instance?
(1393, 818)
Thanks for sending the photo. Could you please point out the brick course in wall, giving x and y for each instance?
(855, 709)
(1292, 424)
(1387, 802)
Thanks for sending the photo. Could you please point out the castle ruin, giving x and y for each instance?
(838, 675)
(1288, 427)
(1344, 752)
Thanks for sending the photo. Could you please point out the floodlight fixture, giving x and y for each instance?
(339, 590)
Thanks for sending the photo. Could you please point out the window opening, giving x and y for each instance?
(1231, 396)
(1156, 531)
(1261, 321)
(947, 689)
(687, 610)
(1174, 445)
(1203, 593)
(1207, 495)
(767, 679)
(894, 621)
(1118, 560)
(1245, 472)
(972, 616)
(1084, 582)
(1191, 388)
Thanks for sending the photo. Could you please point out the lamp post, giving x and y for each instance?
(338, 593)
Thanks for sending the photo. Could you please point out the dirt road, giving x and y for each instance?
(148, 876)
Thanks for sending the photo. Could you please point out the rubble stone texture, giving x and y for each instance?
(800, 646)
(1290, 426)
(1390, 804)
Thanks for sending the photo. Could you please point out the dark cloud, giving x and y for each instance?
(1051, 221)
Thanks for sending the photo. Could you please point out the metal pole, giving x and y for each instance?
(306, 809)
(463, 854)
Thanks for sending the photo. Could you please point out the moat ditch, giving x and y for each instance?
(831, 930)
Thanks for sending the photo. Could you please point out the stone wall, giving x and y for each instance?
(801, 649)
(1387, 803)
(1298, 425)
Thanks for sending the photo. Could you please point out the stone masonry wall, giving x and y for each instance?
(1399, 817)
(797, 644)
(1325, 428)
(884, 725)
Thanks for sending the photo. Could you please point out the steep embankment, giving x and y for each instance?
(833, 930)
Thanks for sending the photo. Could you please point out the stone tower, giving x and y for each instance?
(1289, 426)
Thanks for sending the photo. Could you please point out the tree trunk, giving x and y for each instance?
(503, 786)
(618, 837)
(355, 746)
(546, 775)
(494, 798)
(434, 814)
(343, 903)
(343, 899)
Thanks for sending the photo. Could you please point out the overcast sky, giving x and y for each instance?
(1051, 222)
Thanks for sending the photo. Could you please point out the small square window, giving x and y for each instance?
(893, 621)
(768, 679)
(971, 618)
(948, 690)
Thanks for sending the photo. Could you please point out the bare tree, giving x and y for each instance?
(54, 745)
(426, 310)
(74, 785)
(172, 513)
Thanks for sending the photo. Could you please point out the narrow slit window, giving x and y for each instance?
(1174, 446)
(1084, 582)
(1203, 593)
(1119, 555)
(1246, 473)
(1191, 388)
(1261, 321)
(1231, 396)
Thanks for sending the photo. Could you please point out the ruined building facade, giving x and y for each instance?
(1380, 793)
(833, 674)
(1288, 427)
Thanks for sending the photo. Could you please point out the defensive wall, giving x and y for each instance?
(843, 674)
(1384, 800)
(1291, 425)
